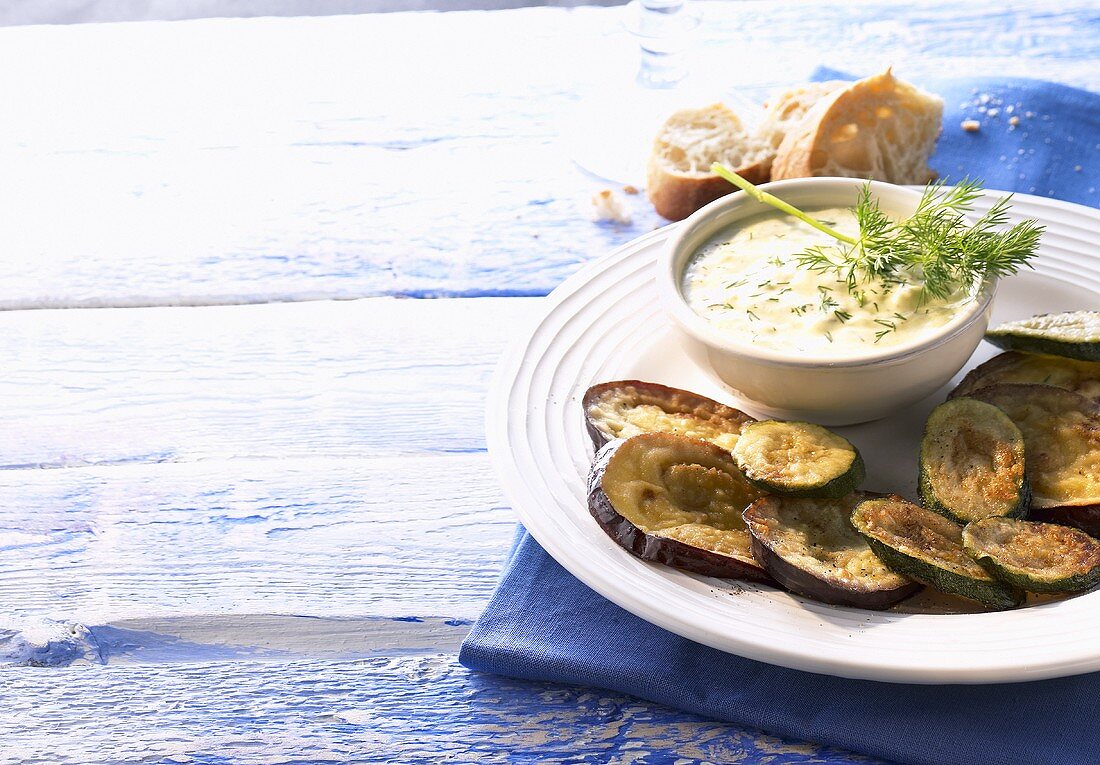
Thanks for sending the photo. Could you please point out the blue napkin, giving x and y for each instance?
(543, 624)
(1053, 150)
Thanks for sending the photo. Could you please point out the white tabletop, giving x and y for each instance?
(241, 521)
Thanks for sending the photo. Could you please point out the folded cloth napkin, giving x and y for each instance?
(543, 624)
(1052, 150)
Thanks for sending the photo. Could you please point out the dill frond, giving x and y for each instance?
(937, 246)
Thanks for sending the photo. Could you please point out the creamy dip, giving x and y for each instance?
(746, 281)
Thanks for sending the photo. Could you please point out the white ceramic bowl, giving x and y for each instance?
(796, 385)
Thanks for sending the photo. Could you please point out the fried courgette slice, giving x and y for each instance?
(1023, 368)
(810, 547)
(675, 500)
(1061, 438)
(798, 459)
(1037, 557)
(1075, 335)
(927, 547)
(972, 463)
(1084, 517)
(625, 408)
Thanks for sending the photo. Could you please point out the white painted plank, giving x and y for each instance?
(235, 160)
(36, 642)
(225, 464)
(342, 379)
(408, 710)
(407, 537)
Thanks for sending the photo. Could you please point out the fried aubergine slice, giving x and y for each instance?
(1037, 557)
(675, 500)
(625, 408)
(972, 463)
(798, 459)
(1061, 439)
(810, 547)
(927, 547)
(1074, 334)
(1084, 517)
(1030, 368)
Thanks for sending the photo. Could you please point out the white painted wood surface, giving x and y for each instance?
(232, 160)
(323, 459)
(379, 377)
(257, 533)
(252, 601)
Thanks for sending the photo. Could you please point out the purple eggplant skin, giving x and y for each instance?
(670, 552)
(1083, 517)
(806, 584)
(673, 400)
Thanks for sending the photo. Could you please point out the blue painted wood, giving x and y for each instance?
(271, 525)
(421, 708)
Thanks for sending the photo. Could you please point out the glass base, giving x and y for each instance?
(611, 135)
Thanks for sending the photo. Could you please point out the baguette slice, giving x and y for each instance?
(879, 128)
(786, 110)
(679, 180)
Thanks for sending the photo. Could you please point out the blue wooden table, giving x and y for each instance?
(246, 513)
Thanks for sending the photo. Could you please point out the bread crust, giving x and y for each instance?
(786, 109)
(678, 177)
(805, 151)
(676, 196)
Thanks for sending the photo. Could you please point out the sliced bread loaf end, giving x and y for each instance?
(679, 180)
(879, 128)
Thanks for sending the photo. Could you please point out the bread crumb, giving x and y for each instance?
(609, 207)
(993, 112)
(628, 189)
(971, 126)
(1076, 168)
(1014, 120)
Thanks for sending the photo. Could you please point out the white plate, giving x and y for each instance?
(604, 324)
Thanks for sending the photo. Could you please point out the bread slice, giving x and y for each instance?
(878, 127)
(786, 110)
(679, 180)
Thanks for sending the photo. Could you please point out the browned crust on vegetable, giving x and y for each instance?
(806, 583)
(671, 400)
(1037, 557)
(972, 462)
(651, 547)
(1074, 419)
(926, 546)
(991, 372)
(798, 459)
(1083, 517)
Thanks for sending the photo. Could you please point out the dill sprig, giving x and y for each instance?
(936, 245)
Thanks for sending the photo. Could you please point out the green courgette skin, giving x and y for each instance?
(1075, 583)
(755, 470)
(840, 486)
(1008, 337)
(994, 594)
(920, 544)
(992, 426)
(929, 499)
(1049, 346)
(1083, 517)
(1079, 552)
